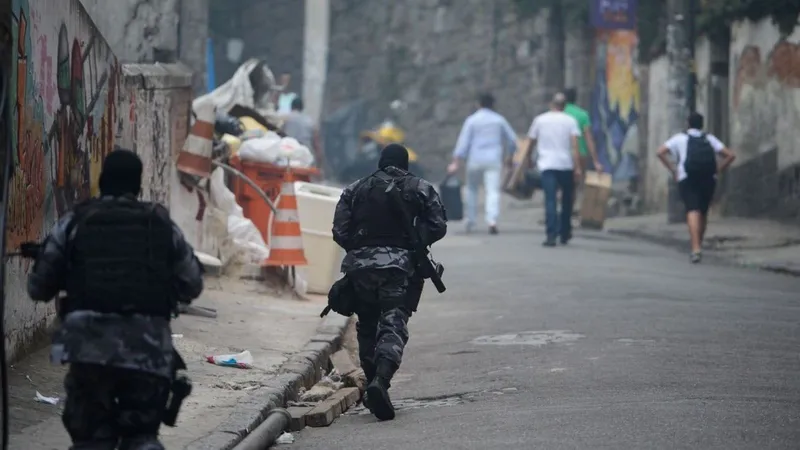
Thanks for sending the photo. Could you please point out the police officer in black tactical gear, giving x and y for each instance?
(381, 264)
(124, 266)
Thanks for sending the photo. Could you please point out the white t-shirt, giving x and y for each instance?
(678, 145)
(553, 132)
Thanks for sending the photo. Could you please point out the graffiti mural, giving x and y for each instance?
(66, 87)
(615, 102)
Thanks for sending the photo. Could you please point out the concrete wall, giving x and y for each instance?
(67, 91)
(315, 55)
(436, 56)
(657, 178)
(758, 116)
(146, 31)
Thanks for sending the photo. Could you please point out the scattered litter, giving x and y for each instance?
(243, 360)
(509, 389)
(42, 399)
(177, 336)
(285, 438)
(28, 377)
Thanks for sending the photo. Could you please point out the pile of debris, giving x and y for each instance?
(331, 397)
(246, 128)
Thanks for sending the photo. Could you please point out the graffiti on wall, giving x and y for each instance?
(66, 87)
(615, 102)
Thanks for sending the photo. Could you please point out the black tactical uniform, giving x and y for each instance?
(124, 266)
(381, 265)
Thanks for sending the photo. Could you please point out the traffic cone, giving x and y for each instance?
(195, 158)
(286, 240)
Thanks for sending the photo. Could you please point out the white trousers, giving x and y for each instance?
(490, 177)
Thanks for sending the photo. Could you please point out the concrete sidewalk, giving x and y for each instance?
(761, 244)
(286, 337)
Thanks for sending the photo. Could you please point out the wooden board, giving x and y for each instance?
(596, 192)
(522, 162)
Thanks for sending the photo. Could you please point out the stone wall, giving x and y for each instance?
(436, 55)
(146, 31)
(66, 94)
(270, 30)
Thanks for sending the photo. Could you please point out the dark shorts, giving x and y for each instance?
(697, 194)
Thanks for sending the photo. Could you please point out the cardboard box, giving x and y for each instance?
(596, 192)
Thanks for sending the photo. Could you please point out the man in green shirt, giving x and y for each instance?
(585, 141)
(586, 146)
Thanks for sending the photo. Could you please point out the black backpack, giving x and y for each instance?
(701, 159)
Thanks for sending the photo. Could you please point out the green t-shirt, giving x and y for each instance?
(579, 114)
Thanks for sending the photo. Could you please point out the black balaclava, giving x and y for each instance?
(394, 155)
(121, 174)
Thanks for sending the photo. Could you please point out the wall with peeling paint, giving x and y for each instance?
(764, 119)
(66, 85)
(161, 100)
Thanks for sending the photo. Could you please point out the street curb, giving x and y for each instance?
(302, 370)
(683, 245)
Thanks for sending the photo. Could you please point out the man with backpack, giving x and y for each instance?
(696, 172)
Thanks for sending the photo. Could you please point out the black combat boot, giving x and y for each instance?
(369, 375)
(377, 394)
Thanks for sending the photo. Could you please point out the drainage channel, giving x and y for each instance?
(418, 403)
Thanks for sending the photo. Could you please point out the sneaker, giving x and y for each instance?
(549, 243)
(696, 257)
(376, 399)
(493, 229)
(565, 239)
(468, 227)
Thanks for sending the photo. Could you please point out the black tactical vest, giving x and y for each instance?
(376, 221)
(120, 259)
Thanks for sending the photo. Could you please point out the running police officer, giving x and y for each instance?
(380, 264)
(124, 266)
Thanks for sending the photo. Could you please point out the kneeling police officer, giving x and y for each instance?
(124, 266)
(382, 263)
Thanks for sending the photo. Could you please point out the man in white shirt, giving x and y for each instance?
(554, 135)
(486, 143)
(696, 172)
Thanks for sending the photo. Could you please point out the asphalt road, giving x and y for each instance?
(634, 348)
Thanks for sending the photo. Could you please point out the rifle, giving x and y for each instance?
(28, 250)
(427, 267)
